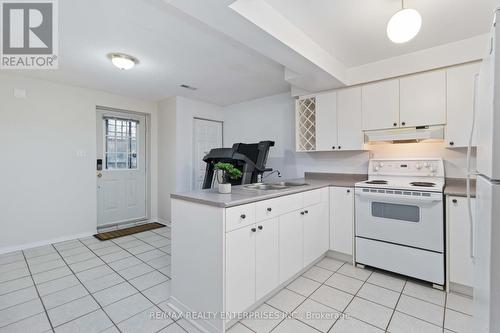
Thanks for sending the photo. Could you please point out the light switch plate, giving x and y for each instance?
(19, 93)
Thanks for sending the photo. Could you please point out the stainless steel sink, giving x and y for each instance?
(290, 184)
(265, 187)
(273, 186)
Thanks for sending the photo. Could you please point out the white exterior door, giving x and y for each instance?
(121, 182)
(207, 135)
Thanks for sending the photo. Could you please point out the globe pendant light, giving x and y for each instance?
(404, 25)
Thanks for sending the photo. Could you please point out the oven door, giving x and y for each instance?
(410, 218)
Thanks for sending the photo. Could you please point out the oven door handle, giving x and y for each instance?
(399, 198)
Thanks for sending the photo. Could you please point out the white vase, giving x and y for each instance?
(225, 188)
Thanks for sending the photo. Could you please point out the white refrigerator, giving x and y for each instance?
(485, 247)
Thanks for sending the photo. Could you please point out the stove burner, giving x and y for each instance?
(377, 182)
(422, 184)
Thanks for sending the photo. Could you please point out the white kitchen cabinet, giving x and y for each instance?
(305, 124)
(380, 105)
(423, 99)
(342, 219)
(245, 252)
(349, 119)
(461, 265)
(461, 91)
(326, 121)
(316, 229)
(266, 257)
(240, 268)
(291, 244)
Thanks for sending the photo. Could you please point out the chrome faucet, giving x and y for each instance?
(260, 178)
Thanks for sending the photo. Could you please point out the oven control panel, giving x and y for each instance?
(414, 167)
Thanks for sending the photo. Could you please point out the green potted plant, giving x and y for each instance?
(226, 171)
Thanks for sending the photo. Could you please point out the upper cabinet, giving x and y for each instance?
(330, 121)
(380, 105)
(326, 121)
(461, 91)
(349, 119)
(305, 124)
(423, 99)
(336, 120)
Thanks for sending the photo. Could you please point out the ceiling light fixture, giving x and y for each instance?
(404, 25)
(123, 61)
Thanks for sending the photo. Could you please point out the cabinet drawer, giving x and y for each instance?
(240, 216)
(271, 208)
(312, 197)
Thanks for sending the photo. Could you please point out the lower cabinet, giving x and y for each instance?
(291, 240)
(342, 219)
(266, 257)
(316, 229)
(265, 250)
(240, 268)
(461, 264)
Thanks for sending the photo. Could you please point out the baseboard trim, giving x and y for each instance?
(164, 221)
(461, 289)
(181, 308)
(45, 242)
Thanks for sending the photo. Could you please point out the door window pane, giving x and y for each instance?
(396, 211)
(121, 143)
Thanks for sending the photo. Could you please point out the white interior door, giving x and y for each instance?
(121, 182)
(207, 135)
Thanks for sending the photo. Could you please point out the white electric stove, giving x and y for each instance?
(400, 218)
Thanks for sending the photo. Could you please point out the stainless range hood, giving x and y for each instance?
(406, 135)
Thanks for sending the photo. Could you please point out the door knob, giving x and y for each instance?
(99, 174)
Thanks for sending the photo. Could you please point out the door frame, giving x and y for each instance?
(193, 175)
(147, 163)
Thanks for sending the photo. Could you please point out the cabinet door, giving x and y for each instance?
(423, 99)
(291, 244)
(240, 269)
(349, 119)
(305, 124)
(341, 219)
(326, 121)
(380, 105)
(461, 263)
(267, 257)
(460, 94)
(316, 231)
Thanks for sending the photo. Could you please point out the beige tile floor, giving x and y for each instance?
(86, 285)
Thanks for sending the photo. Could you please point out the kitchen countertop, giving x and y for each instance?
(457, 187)
(241, 195)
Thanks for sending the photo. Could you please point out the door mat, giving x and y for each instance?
(128, 231)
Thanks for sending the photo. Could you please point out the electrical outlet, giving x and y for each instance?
(19, 93)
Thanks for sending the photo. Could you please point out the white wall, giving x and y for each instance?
(272, 118)
(167, 150)
(48, 145)
(175, 146)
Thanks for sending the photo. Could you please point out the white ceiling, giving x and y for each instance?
(354, 31)
(204, 43)
(173, 49)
